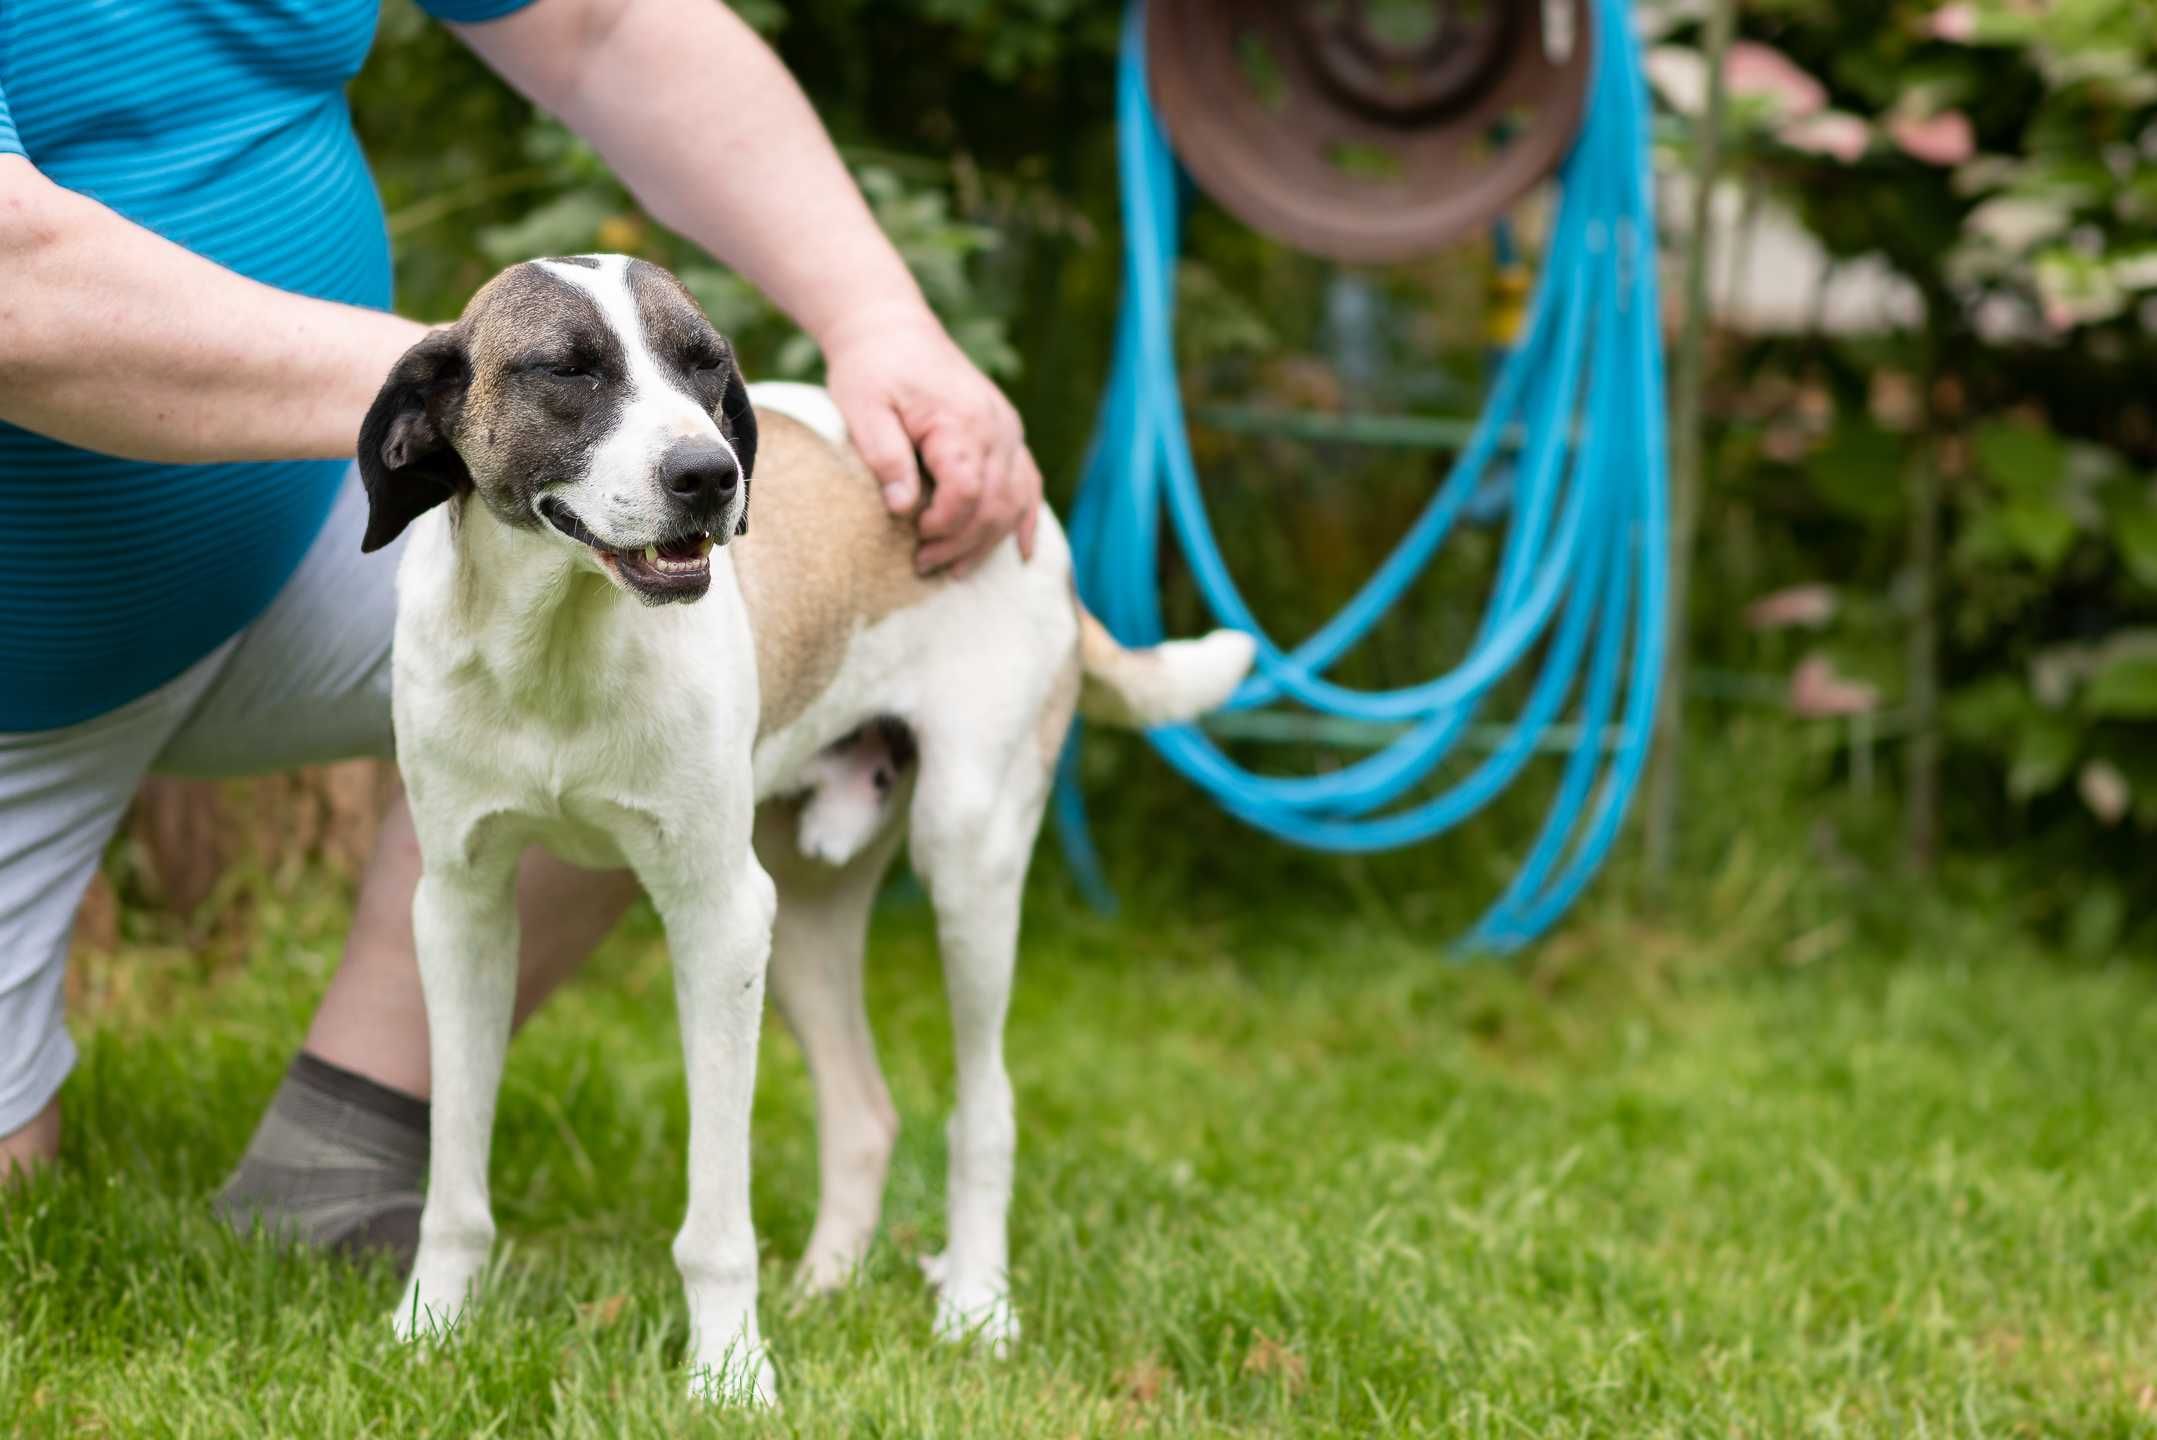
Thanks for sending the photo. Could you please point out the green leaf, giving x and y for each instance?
(798, 358)
(730, 302)
(2134, 533)
(2077, 288)
(2023, 459)
(1859, 471)
(2126, 688)
(2041, 530)
(564, 225)
(2095, 922)
(1990, 710)
(2044, 753)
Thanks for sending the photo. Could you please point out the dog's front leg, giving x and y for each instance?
(464, 920)
(719, 930)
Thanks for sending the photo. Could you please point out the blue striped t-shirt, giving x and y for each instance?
(222, 126)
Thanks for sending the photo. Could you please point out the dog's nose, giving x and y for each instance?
(700, 472)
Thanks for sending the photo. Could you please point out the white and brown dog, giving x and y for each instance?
(589, 440)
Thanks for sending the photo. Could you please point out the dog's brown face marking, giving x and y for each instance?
(547, 385)
(674, 327)
(607, 410)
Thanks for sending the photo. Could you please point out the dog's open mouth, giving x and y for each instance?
(675, 569)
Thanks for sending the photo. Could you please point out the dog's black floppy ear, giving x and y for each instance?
(405, 458)
(741, 428)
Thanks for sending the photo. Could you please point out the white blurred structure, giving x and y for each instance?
(1771, 277)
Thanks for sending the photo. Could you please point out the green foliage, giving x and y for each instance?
(1014, 36)
(504, 183)
(2020, 397)
(2069, 206)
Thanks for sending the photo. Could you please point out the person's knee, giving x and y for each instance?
(33, 1145)
(396, 845)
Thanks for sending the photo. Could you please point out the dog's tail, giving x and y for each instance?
(1162, 684)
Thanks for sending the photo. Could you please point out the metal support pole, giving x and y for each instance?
(1921, 798)
(1689, 379)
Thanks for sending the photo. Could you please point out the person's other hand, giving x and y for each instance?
(903, 386)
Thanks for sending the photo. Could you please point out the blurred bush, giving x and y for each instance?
(1999, 155)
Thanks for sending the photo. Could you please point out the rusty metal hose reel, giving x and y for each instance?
(1369, 130)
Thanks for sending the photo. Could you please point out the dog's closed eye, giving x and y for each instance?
(558, 366)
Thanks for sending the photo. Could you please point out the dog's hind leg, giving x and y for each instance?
(817, 948)
(464, 922)
(972, 838)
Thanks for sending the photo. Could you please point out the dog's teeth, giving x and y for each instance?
(704, 546)
(651, 553)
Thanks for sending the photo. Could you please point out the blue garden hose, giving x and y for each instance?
(1580, 593)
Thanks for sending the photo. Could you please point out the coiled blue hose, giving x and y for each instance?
(1581, 581)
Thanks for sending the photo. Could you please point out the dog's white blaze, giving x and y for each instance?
(620, 497)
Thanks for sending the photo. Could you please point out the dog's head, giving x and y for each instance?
(587, 400)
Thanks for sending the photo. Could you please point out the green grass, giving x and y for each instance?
(1282, 1172)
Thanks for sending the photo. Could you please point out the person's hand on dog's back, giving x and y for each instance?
(904, 387)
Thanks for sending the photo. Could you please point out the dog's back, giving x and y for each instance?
(822, 560)
(825, 562)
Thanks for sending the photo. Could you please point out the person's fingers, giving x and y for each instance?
(965, 548)
(1013, 493)
(955, 470)
(1027, 475)
(961, 552)
(994, 518)
(934, 556)
(889, 451)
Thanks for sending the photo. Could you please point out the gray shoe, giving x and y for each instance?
(338, 1163)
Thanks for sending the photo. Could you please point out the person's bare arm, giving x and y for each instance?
(705, 125)
(117, 340)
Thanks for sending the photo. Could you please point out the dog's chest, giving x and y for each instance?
(601, 766)
(488, 776)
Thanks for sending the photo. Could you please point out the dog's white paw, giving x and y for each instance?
(444, 1280)
(737, 1379)
(987, 1320)
(976, 1315)
(825, 1268)
(415, 1320)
